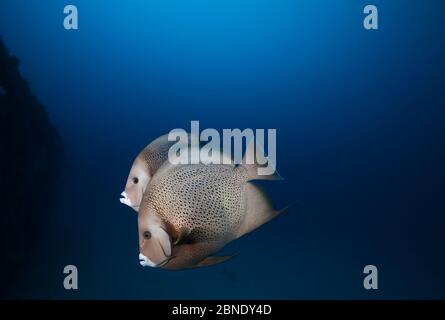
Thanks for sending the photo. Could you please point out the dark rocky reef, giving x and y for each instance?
(30, 155)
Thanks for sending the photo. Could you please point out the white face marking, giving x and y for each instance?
(125, 199)
(144, 261)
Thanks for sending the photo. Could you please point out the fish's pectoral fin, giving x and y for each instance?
(210, 261)
(182, 235)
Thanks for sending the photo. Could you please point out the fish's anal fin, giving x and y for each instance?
(210, 261)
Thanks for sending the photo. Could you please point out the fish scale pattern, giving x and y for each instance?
(208, 200)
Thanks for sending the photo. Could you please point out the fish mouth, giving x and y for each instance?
(145, 262)
(125, 199)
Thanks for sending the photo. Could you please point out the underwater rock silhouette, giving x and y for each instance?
(30, 155)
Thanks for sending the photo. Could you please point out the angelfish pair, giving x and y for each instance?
(187, 212)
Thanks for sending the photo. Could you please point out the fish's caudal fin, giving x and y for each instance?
(210, 261)
(258, 211)
(258, 166)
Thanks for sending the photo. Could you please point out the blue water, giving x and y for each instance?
(360, 129)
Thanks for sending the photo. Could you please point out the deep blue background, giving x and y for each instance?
(360, 122)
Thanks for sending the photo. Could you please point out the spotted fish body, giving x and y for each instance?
(214, 203)
(206, 200)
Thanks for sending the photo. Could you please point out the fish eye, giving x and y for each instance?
(135, 180)
(147, 235)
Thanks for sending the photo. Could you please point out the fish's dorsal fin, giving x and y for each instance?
(254, 160)
(182, 235)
